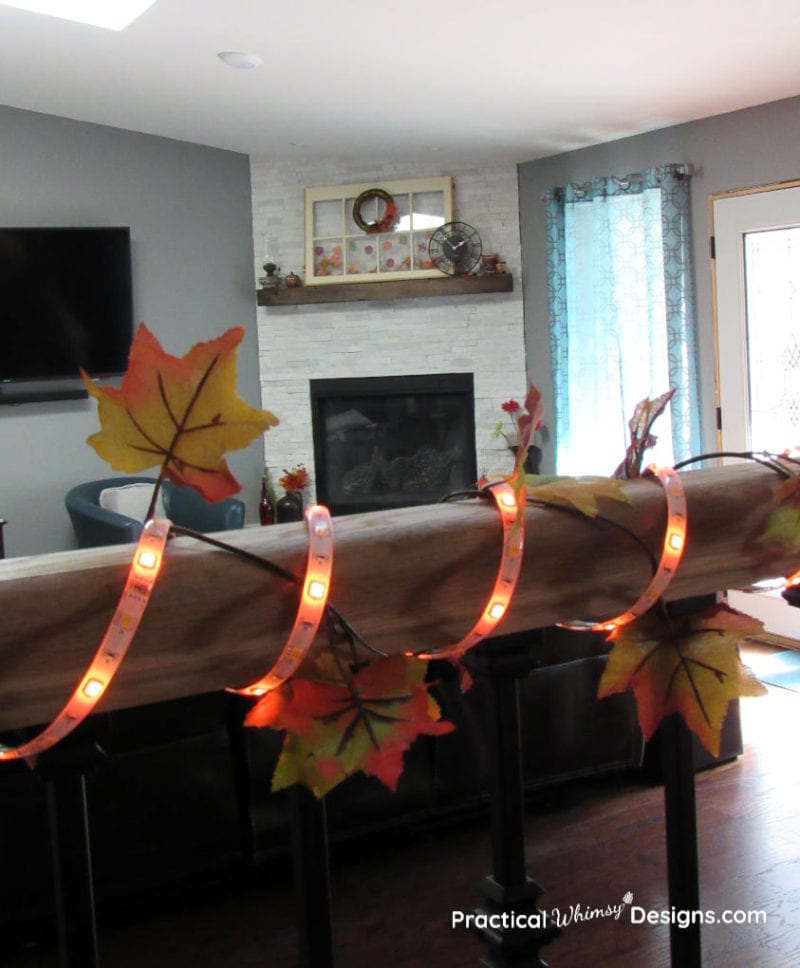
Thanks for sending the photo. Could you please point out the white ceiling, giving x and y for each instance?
(514, 80)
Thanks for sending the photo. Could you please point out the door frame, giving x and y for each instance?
(770, 599)
(718, 196)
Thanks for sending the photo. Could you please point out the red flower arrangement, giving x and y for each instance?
(511, 407)
(526, 419)
(294, 480)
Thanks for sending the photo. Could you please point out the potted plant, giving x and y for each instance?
(532, 462)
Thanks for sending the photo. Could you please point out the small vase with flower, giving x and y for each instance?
(290, 506)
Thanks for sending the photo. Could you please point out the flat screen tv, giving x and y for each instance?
(65, 303)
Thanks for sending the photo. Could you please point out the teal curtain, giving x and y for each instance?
(622, 316)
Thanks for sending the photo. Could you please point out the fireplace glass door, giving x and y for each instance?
(391, 442)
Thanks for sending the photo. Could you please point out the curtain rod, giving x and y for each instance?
(686, 170)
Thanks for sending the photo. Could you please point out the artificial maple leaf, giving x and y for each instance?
(644, 416)
(783, 526)
(531, 419)
(333, 731)
(526, 424)
(783, 523)
(580, 493)
(787, 489)
(688, 665)
(180, 412)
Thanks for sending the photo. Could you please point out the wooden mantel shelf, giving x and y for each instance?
(399, 289)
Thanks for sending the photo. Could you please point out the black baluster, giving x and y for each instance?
(311, 878)
(64, 770)
(509, 889)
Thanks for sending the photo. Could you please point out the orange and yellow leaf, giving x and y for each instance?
(333, 731)
(178, 412)
(688, 665)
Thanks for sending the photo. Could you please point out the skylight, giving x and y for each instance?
(111, 14)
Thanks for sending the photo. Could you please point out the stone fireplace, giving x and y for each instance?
(480, 335)
(393, 441)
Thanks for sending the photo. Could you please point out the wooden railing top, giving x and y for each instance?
(410, 579)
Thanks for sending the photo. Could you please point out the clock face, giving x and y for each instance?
(455, 248)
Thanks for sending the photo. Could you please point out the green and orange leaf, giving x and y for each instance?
(527, 423)
(688, 665)
(531, 418)
(783, 523)
(579, 493)
(783, 527)
(640, 425)
(333, 731)
(178, 412)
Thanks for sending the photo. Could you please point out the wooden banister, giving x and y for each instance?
(409, 579)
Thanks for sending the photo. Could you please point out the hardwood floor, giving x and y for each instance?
(749, 856)
(588, 844)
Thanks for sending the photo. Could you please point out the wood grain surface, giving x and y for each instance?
(416, 578)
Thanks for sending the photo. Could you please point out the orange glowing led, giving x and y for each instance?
(147, 560)
(507, 575)
(93, 688)
(108, 657)
(311, 608)
(671, 554)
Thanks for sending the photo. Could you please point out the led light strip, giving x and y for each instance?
(671, 554)
(313, 599)
(145, 566)
(505, 583)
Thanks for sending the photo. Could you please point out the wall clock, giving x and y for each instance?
(455, 248)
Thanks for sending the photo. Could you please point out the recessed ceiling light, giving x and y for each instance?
(98, 13)
(239, 60)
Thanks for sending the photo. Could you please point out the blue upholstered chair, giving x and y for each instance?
(95, 525)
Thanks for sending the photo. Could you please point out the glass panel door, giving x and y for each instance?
(757, 284)
(772, 304)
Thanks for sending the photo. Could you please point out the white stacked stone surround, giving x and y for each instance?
(482, 335)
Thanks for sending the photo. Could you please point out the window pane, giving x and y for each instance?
(772, 273)
(327, 219)
(419, 245)
(395, 252)
(427, 210)
(368, 210)
(362, 255)
(328, 260)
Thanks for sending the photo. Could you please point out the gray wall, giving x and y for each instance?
(756, 146)
(189, 211)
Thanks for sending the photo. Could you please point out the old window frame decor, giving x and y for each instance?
(374, 231)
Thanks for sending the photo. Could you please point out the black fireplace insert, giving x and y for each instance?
(392, 441)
